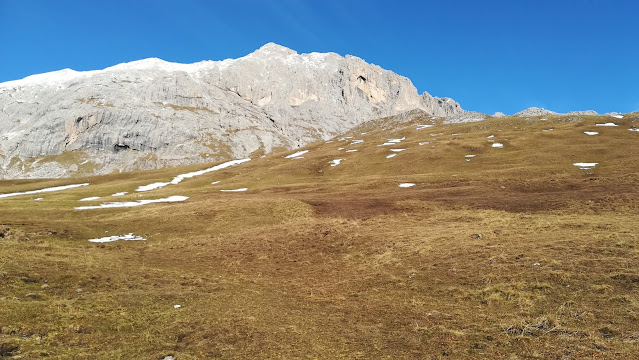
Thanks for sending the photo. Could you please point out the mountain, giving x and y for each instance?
(151, 113)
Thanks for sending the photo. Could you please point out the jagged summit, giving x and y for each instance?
(269, 51)
(273, 48)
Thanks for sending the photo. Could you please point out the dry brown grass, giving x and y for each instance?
(519, 256)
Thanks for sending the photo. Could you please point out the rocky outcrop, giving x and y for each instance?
(585, 112)
(152, 113)
(534, 111)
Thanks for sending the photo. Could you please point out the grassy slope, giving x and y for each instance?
(317, 261)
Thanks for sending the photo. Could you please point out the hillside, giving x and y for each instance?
(510, 238)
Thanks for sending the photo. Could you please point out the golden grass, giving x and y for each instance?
(519, 256)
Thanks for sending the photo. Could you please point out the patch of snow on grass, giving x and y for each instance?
(120, 193)
(498, 145)
(355, 142)
(46, 190)
(551, 129)
(179, 178)
(175, 198)
(153, 186)
(127, 237)
(215, 182)
(297, 155)
(490, 136)
(391, 156)
(397, 150)
(235, 190)
(335, 162)
(419, 127)
(591, 133)
(607, 124)
(618, 116)
(406, 185)
(470, 156)
(387, 144)
(633, 129)
(352, 150)
(396, 141)
(585, 166)
(38, 199)
(90, 198)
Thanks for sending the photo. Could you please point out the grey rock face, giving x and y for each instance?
(499, 114)
(534, 111)
(586, 112)
(151, 113)
(465, 116)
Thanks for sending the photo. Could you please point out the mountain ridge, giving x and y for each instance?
(151, 113)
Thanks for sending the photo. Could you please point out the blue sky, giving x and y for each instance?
(490, 55)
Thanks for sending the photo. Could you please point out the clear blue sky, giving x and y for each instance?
(490, 55)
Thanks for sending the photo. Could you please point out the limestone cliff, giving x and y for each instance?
(151, 113)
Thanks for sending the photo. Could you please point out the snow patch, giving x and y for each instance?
(591, 133)
(498, 145)
(397, 150)
(46, 190)
(406, 185)
(90, 198)
(391, 156)
(335, 162)
(585, 166)
(297, 155)
(634, 129)
(235, 190)
(607, 124)
(127, 237)
(175, 198)
(120, 193)
(420, 127)
(396, 141)
(179, 178)
(153, 186)
(424, 143)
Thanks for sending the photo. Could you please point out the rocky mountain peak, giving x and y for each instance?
(152, 113)
(272, 48)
